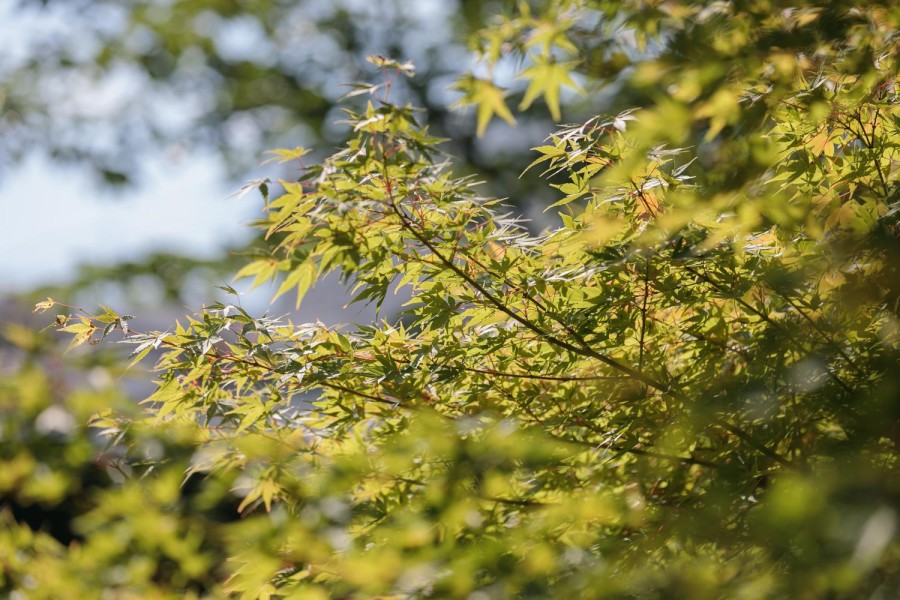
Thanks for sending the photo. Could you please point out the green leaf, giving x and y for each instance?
(283, 156)
(44, 305)
(302, 277)
(488, 99)
(546, 77)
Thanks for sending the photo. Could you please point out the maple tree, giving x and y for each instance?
(687, 389)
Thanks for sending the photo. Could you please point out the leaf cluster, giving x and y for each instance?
(687, 389)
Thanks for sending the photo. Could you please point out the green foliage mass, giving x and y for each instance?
(687, 390)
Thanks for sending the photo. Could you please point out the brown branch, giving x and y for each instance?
(544, 377)
(718, 287)
(527, 323)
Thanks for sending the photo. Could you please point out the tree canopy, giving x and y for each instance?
(687, 389)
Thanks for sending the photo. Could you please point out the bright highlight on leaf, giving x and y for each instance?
(44, 305)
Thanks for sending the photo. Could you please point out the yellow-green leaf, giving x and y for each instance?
(282, 155)
(44, 305)
(546, 77)
(488, 98)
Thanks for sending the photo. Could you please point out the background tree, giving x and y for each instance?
(112, 86)
(240, 77)
(687, 389)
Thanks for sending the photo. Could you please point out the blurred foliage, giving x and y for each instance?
(111, 85)
(172, 274)
(687, 390)
(80, 516)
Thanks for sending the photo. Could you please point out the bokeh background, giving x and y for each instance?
(127, 130)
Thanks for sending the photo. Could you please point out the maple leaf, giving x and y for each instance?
(546, 77)
(489, 99)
